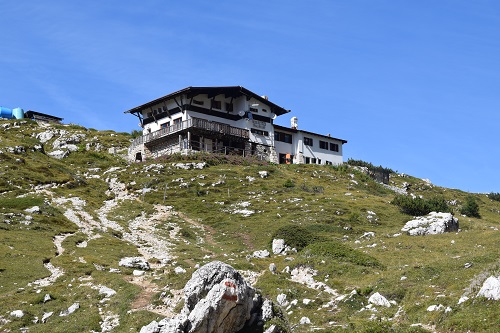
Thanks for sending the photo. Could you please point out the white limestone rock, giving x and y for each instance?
(70, 310)
(46, 316)
(216, 299)
(263, 174)
(261, 254)
(431, 224)
(33, 210)
(107, 292)
(281, 300)
(135, 262)
(278, 246)
(377, 299)
(267, 310)
(17, 313)
(435, 308)
(59, 154)
(179, 270)
(490, 288)
(305, 321)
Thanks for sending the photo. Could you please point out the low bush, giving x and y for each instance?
(341, 252)
(418, 206)
(494, 196)
(470, 208)
(295, 236)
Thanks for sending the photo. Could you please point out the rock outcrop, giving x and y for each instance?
(490, 289)
(431, 224)
(217, 299)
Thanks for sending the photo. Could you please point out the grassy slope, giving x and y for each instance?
(332, 204)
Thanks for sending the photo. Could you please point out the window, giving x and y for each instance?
(149, 114)
(307, 160)
(313, 160)
(264, 110)
(323, 144)
(216, 104)
(334, 147)
(328, 163)
(254, 110)
(308, 141)
(283, 137)
(165, 125)
(319, 161)
(229, 107)
(259, 132)
(177, 121)
(198, 102)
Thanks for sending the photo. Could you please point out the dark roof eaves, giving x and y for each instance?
(241, 89)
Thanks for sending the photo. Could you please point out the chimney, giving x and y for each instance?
(293, 123)
(265, 97)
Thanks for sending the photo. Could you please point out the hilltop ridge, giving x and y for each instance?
(72, 208)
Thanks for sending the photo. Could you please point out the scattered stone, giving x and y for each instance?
(305, 321)
(59, 154)
(433, 223)
(17, 313)
(435, 308)
(261, 254)
(135, 262)
(137, 272)
(279, 246)
(263, 174)
(70, 310)
(281, 300)
(490, 289)
(47, 298)
(107, 292)
(272, 268)
(179, 270)
(377, 299)
(33, 210)
(46, 316)
(267, 310)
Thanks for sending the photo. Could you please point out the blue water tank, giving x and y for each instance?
(5, 112)
(18, 113)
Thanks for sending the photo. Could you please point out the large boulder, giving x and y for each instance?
(431, 224)
(490, 288)
(217, 299)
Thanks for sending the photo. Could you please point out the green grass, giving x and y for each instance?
(324, 215)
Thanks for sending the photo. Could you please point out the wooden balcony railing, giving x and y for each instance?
(211, 126)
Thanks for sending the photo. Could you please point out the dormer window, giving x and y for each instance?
(254, 110)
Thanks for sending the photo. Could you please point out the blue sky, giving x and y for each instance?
(412, 85)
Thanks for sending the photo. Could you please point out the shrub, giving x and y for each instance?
(295, 236)
(418, 206)
(368, 165)
(471, 207)
(289, 183)
(342, 252)
(494, 196)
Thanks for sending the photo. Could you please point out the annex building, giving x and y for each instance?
(227, 120)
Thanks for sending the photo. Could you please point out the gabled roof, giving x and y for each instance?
(229, 91)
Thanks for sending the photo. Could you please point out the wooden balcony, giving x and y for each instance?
(210, 127)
